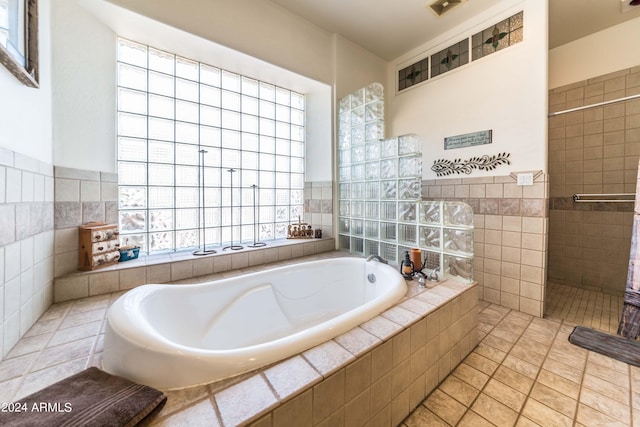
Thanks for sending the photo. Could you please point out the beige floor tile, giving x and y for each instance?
(471, 419)
(554, 399)
(491, 353)
(611, 375)
(494, 411)
(459, 390)
(75, 333)
(608, 362)
(613, 391)
(558, 383)
(506, 333)
(568, 372)
(525, 368)
(590, 417)
(471, 376)
(526, 422)
(45, 377)
(529, 352)
(497, 343)
(605, 405)
(504, 394)
(544, 415)
(514, 379)
(63, 353)
(481, 363)
(29, 345)
(422, 417)
(445, 407)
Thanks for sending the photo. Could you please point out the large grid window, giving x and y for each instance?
(169, 109)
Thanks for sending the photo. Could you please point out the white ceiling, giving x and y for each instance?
(390, 28)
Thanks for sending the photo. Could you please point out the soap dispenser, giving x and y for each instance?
(407, 266)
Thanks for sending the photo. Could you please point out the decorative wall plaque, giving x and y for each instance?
(445, 167)
(468, 139)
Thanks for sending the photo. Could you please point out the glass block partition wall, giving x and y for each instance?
(380, 208)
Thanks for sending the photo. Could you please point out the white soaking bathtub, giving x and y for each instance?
(175, 336)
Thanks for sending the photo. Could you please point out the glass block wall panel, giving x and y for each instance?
(497, 37)
(173, 113)
(380, 206)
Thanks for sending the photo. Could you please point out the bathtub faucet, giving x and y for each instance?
(377, 258)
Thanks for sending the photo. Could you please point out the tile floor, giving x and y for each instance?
(524, 372)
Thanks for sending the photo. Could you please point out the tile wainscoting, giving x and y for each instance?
(180, 266)
(26, 244)
(510, 236)
(81, 196)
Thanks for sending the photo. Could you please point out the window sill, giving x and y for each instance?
(181, 266)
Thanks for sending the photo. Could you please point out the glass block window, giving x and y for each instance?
(413, 74)
(380, 207)
(175, 115)
(450, 58)
(499, 36)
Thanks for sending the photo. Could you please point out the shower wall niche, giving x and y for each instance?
(380, 210)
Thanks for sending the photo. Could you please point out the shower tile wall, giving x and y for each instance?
(510, 226)
(595, 150)
(26, 244)
(81, 196)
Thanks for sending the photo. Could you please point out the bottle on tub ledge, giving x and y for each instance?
(407, 266)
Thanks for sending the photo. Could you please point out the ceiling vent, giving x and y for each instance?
(440, 7)
(627, 5)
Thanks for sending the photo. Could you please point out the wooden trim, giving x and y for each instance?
(30, 75)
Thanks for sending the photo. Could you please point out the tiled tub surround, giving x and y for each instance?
(593, 150)
(26, 244)
(510, 229)
(318, 206)
(81, 196)
(378, 371)
(179, 266)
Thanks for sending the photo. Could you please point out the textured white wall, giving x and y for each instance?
(85, 35)
(505, 92)
(84, 79)
(25, 113)
(604, 52)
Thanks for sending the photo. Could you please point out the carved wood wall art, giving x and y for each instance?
(444, 167)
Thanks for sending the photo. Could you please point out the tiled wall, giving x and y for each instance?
(406, 356)
(178, 266)
(26, 244)
(318, 206)
(81, 196)
(510, 227)
(594, 150)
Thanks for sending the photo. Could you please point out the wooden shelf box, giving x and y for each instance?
(99, 245)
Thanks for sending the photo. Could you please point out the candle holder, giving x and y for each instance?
(255, 244)
(232, 246)
(202, 228)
